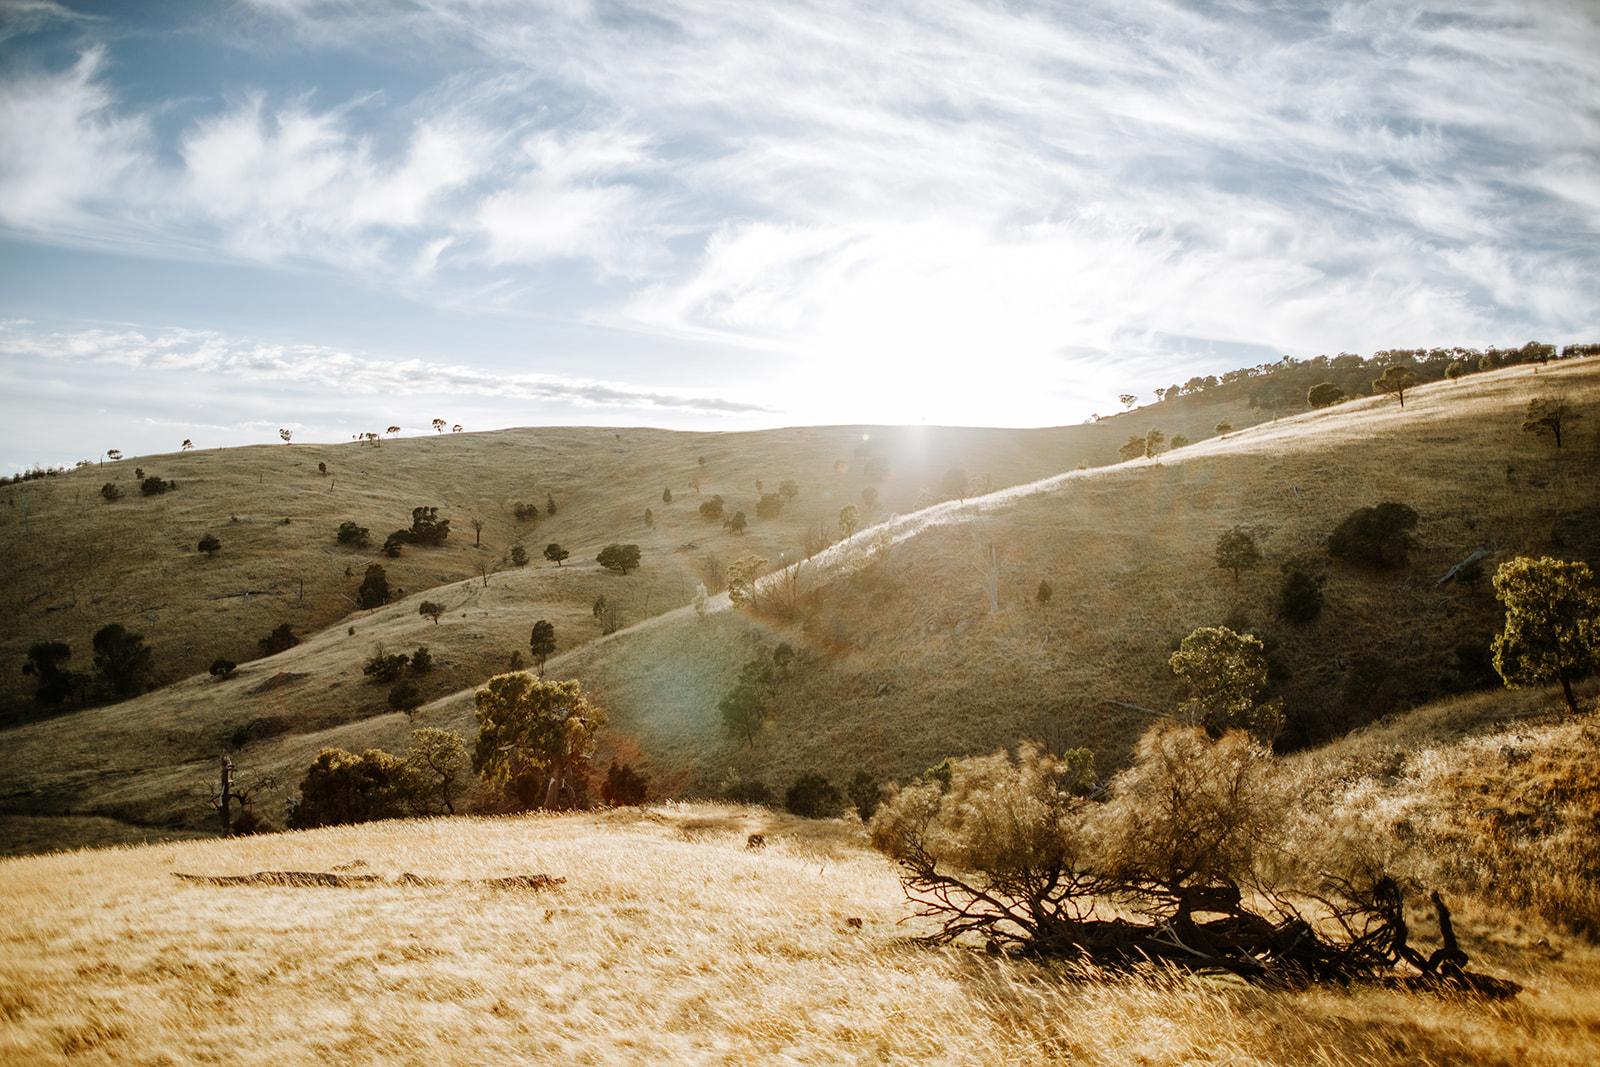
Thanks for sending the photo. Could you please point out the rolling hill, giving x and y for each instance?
(899, 658)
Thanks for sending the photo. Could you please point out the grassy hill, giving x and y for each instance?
(900, 660)
(669, 940)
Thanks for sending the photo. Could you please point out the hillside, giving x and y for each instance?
(669, 940)
(899, 661)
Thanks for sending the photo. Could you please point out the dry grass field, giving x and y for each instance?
(670, 941)
(899, 660)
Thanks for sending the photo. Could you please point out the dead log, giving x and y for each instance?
(1476, 556)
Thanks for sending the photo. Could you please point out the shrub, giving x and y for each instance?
(428, 609)
(421, 660)
(405, 697)
(865, 795)
(1223, 429)
(1180, 440)
(393, 544)
(619, 558)
(223, 668)
(210, 545)
(555, 553)
(383, 668)
(281, 639)
(374, 589)
(530, 729)
(849, 520)
(45, 662)
(341, 787)
(1552, 627)
(1226, 672)
(154, 486)
(1376, 536)
(1299, 597)
(111, 492)
(550, 504)
(769, 506)
(649, 517)
(525, 512)
(353, 535)
(1236, 551)
(736, 522)
(1044, 593)
(519, 556)
(666, 496)
(121, 659)
(813, 797)
(624, 786)
(542, 642)
(1324, 394)
(711, 509)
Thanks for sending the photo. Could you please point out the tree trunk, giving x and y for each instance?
(1566, 691)
(225, 800)
(552, 792)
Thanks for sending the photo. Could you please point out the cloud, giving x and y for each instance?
(225, 359)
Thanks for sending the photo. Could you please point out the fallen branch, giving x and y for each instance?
(1476, 556)
(332, 880)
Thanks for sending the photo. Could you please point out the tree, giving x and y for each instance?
(383, 668)
(1552, 627)
(1548, 414)
(421, 660)
(649, 518)
(187, 445)
(280, 639)
(550, 504)
(1377, 536)
(526, 512)
(155, 486)
(1299, 597)
(437, 762)
(769, 506)
(619, 558)
(788, 490)
(1152, 443)
(210, 545)
(222, 668)
(744, 707)
(712, 508)
(1132, 448)
(1396, 379)
(341, 787)
(666, 496)
(287, 435)
(555, 553)
(121, 658)
(427, 528)
(1324, 394)
(374, 589)
(624, 786)
(111, 492)
(812, 796)
(736, 522)
(45, 662)
(869, 497)
(1236, 551)
(392, 544)
(849, 520)
(456, 428)
(405, 697)
(353, 535)
(477, 532)
(1455, 370)
(542, 642)
(519, 556)
(743, 573)
(438, 425)
(430, 610)
(1044, 593)
(1128, 400)
(955, 483)
(866, 793)
(530, 728)
(1226, 672)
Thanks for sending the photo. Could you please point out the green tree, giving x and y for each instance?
(1153, 440)
(341, 787)
(619, 558)
(1376, 536)
(812, 796)
(1396, 379)
(438, 762)
(405, 697)
(555, 553)
(744, 707)
(542, 643)
(374, 589)
(529, 729)
(1552, 628)
(427, 528)
(45, 662)
(1324, 394)
(1226, 672)
(1132, 448)
(121, 659)
(1236, 551)
(1299, 597)
(1548, 414)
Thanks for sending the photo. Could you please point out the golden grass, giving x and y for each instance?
(668, 942)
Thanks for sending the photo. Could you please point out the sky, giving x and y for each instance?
(226, 217)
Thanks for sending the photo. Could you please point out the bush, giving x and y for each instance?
(519, 556)
(746, 791)
(1299, 597)
(154, 486)
(624, 786)
(1324, 394)
(428, 609)
(711, 509)
(374, 589)
(525, 512)
(865, 795)
(209, 544)
(405, 697)
(353, 535)
(619, 558)
(341, 787)
(111, 492)
(1376, 536)
(45, 661)
(736, 522)
(281, 639)
(421, 660)
(121, 659)
(1236, 551)
(770, 506)
(813, 797)
(555, 553)
(427, 528)
(383, 668)
(223, 668)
